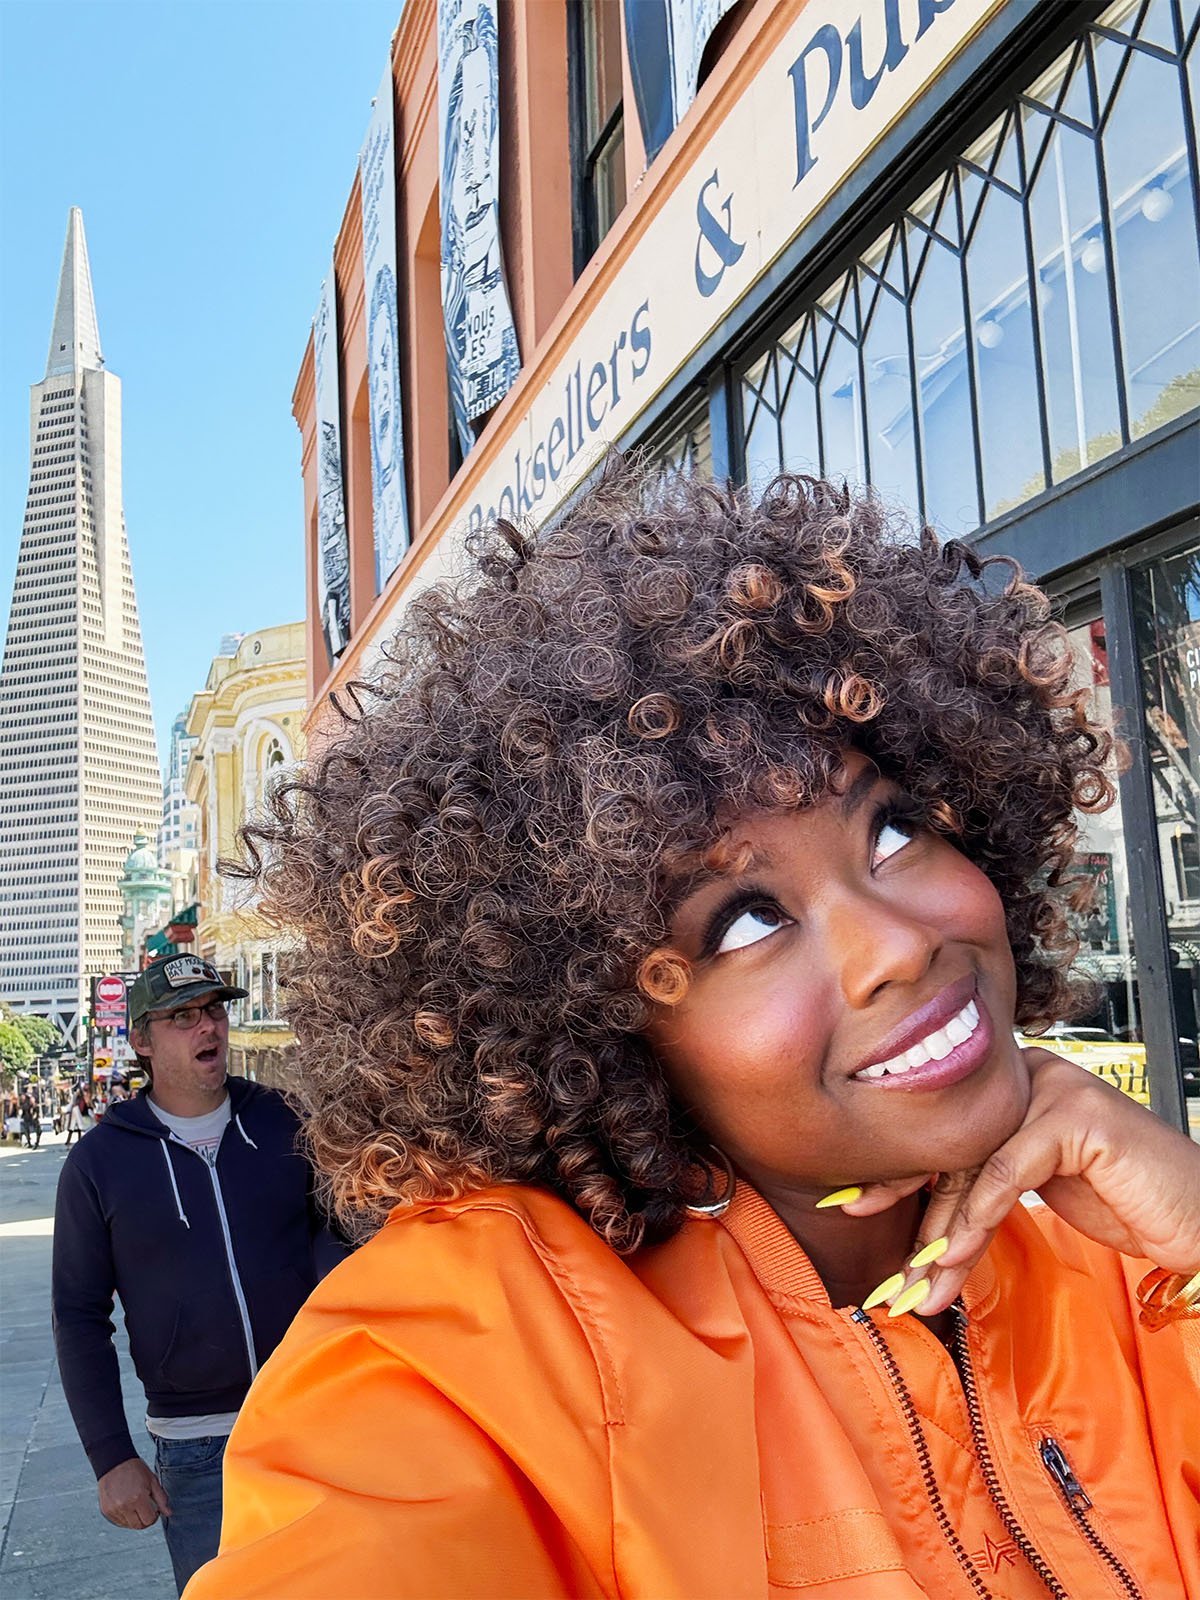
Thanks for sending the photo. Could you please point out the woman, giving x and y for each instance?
(669, 907)
(79, 1118)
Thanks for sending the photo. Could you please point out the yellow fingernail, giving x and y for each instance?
(933, 1251)
(884, 1292)
(911, 1298)
(840, 1197)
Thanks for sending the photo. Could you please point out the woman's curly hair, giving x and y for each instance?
(482, 865)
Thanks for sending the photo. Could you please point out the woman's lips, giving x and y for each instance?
(961, 1062)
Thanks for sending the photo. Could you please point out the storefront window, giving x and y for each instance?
(1167, 607)
(1034, 311)
(689, 450)
(1109, 1038)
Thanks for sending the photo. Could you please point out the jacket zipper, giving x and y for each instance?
(238, 1293)
(921, 1446)
(983, 1454)
(1078, 1504)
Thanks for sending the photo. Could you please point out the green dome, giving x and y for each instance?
(142, 868)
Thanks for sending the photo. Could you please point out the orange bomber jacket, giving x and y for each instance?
(485, 1401)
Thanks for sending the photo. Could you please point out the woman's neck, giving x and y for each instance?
(851, 1255)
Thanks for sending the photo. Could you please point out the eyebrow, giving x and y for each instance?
(858, 791)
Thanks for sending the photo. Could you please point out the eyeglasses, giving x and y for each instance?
(188, 1016)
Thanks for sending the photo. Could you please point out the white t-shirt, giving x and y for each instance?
(203, 1133)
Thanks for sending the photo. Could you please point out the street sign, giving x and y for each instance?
(108, 1005)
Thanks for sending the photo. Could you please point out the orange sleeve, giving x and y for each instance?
(1170, 1366)
(350, 1475)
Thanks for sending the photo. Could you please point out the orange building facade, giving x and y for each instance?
(915, 243)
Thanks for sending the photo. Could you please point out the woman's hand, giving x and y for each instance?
(1106, 1165)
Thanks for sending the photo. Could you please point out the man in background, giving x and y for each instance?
(193, 1202)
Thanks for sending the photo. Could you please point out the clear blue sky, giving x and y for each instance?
(211, 145)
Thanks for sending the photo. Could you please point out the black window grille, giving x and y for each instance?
(1035, 310)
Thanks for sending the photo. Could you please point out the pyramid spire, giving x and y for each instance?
(80, 773)
(75, 339)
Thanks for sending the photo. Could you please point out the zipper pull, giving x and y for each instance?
(1056, 1464)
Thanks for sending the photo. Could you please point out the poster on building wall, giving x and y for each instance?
(665, 40)
(377, 164)
(333, 546)
(481, 341)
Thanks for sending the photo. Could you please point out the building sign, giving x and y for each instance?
(664, 41)
(377, 165)
(1099, 929)
(333, 545)
(838, 77)
(481, 341)
(1188, 648)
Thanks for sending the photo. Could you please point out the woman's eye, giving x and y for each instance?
(892, 838)
(750, 927)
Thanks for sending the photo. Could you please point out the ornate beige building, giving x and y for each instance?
(247, 725)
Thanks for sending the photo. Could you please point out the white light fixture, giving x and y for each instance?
(1091, 257)
(990, 333)
(1157, 203)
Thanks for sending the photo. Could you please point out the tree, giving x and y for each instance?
(39, 1033)
(16, 1053)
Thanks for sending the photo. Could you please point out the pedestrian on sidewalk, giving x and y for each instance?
(31, 1120)
(79, 1118)
(194, 1203)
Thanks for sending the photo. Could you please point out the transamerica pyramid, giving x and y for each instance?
(78, 767)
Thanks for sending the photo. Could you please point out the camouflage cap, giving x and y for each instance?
(174, 981)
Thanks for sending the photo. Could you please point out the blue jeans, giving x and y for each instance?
(190, 1471)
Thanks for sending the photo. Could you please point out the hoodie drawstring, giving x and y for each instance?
(174, 1186)
(243, 1132)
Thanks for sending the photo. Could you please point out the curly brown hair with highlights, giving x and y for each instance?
(482, 866)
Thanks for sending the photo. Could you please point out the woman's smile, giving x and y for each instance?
(851, 998)
(941, 1043)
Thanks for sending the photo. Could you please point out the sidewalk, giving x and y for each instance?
(54, 1544)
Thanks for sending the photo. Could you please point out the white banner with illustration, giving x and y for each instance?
(377, 165)
(664, 42)
(333, 546)
(481, 341)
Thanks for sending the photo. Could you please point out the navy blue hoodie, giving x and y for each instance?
(211, 1263)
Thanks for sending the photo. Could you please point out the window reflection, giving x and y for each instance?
(1167, 606)
(1109, 1038)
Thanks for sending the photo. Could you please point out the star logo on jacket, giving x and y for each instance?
(992, 1554)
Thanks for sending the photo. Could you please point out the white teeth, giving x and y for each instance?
(938, 1044)
(935, 1046)
(956, 1030)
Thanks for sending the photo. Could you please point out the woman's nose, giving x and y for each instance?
(879, 942)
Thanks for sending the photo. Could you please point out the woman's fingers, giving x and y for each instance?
(873, 1198)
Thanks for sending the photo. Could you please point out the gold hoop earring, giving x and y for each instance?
(718, 1207)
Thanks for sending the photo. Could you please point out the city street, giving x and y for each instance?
(54, 1543)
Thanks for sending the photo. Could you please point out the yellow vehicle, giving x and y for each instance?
(1120, 1063)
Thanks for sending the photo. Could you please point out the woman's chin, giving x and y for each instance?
(979, 1130)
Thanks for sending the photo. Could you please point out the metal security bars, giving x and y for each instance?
(1036, 310)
